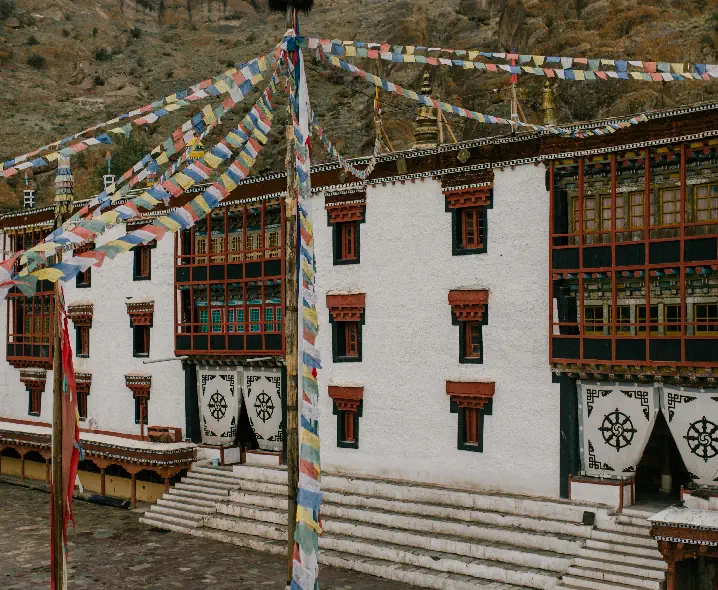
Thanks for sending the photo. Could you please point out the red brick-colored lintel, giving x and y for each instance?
(141, 313)
(470, 197)
(33, 380)
(83, 382)
(346, 307)
(346, 399)
(81, 315)
(470, 394)
(469, 305)
(342, 213)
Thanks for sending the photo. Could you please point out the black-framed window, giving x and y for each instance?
(142, 263)
(82, 341)
(34, 402)
(141, 409)
(346, 239)
(347, 427)
(82, 395)
(347, 341)
(471, 339)
(471, 426)
(141, 341)
(83, 280)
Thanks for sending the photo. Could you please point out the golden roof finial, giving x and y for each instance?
(426, 129)
(548, 110)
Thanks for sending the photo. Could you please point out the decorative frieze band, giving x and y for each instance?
(140, 312)
(469, 305)
(80, 313)
(140, 385)
(33, 379)
(346, 307)
(83, 382)
(470, 394)
(346, 398)
(345, 212)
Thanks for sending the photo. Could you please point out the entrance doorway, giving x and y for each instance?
(661, 471)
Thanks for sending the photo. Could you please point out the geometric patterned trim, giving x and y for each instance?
(346, 307)
(345, 212)
(141, 312)
(139, 384)
(80, 314)
(470, 394)
(469, 305)
(83, 382)
(33, 379)
(468, 197)
(346, 399)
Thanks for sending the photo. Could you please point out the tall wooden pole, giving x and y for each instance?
(291, 319)
(58, 511)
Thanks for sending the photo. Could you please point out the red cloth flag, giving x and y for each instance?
(71, 450)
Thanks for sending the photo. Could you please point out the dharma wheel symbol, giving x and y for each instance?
(702, 437)
(217, 406)
(617, 429)
(264, 407)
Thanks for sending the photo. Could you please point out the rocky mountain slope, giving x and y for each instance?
(65, 64)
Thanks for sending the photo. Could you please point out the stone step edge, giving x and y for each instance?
(368, 523)
(487, 510)
(629, 559)
(624, 564)
(629, 580)
(568, 579)
(406, 483)
(629, 540)
(530, 534)
(422, 577)
(411, 548)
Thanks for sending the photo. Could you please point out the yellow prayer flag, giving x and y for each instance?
(677, 68)
(171, 98)
(183, 180)
(410, 58)
(579, 75)
(48, 274)
(211, 160)
(538, 60)
(309, 438)
(109, 217)
(222, 86)
(169, 223)
(45, 247)
(350, 51)
(228, 183)
(162, 159)
(473, 55)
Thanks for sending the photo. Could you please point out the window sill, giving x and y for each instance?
(83, 356)
(34, 414)
(141, 356)
(141, 278)
(347, 359)
(83, 286)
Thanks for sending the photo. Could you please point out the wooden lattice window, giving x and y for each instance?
(706, 202)
(346, 317)
(641, 319)
(472, 228)
(346, 218)
(472, 401)
(706, 314)
(623, 318)
(672, 318)
(84, 279)
(471, 426)
(273, 237)
(217, 244)
(670, 204)
(140, 409)
(636, 217)
(473, 340)
(593, 318)
(82, 403)
(468, 310)
(351, 335)
(235, 248)
(254, 245)
(200, 248)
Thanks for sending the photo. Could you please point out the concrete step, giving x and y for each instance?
(613, 537)
(633, 560)
(626, 529)
(174, 520)
(394, 490)
(201, 491)
(185, 497)
(620, 567)
(639, 513)
(162, 524)
(417, 576)
(573, 581)
(650, 552)
(207, 482)
(363, 547)
(186, 506)
(608, 577)
(637, 521)
(173, 512)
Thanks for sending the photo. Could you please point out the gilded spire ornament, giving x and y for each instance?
(426, 127)
(548, 110)
(64, 184)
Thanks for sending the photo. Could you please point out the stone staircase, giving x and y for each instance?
(423, 535)
(620, 554)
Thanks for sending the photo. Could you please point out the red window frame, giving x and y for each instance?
(143, 262)
(349, 436)
(471, 426)
(82, 404)
(83, 341)
(351, 335)
(141, 341)
(469, 351)
(348, 237)
(472, 228)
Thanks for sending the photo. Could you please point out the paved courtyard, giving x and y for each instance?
(111, 549)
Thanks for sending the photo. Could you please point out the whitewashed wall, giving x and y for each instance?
(110, 403)
(410, 347)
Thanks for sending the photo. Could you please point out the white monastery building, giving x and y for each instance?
(519, 349)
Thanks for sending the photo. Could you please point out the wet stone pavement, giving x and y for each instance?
(111, 549)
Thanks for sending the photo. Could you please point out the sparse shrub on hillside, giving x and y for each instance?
(95, 31)
(135, 32)
(65, 33)
(36, 61)
(99, 81)
(7, 8)
(102, 54)
(32, 40)
(170, 74)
